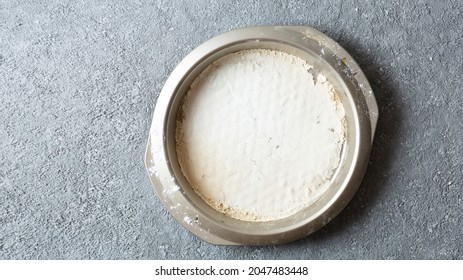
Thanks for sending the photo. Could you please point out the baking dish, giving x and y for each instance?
(329, 59)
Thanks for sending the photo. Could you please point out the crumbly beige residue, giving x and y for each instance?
(259, 137)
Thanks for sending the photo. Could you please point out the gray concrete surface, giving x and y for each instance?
(78, 85)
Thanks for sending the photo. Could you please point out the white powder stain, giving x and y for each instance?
(153, 171)
(170, 190)
(188, 220)
(258, 136)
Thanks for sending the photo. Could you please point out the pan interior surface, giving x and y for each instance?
(259, 135)
(320, 67)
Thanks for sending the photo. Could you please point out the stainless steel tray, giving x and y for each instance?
(328, 58)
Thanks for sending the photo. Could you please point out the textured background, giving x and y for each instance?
(78, 85)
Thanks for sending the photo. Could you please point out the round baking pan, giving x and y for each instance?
(329, 59)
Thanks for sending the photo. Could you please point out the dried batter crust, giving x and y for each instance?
(258, 137)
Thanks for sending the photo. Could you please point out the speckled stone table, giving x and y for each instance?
(78, 86)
